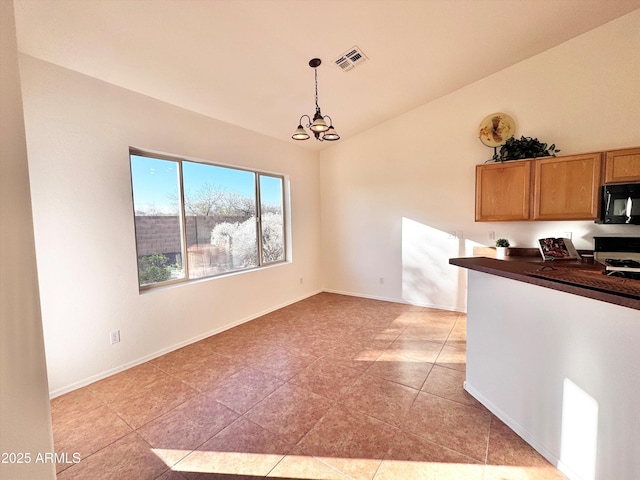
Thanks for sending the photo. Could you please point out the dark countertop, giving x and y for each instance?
(524, 269)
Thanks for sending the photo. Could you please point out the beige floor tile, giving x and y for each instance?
(318, 345)
(114, 387)
(87, 432)
(458, 427)
(453, 355)
(430, 326)
(509, 453)
(289, 412)
(241, 348)
(328, 378)
(415, 349)
(83, 424)
(395, 470)
(73, 404)
(387, 333)
(303, 467)
(352, 442)
(449, 383)
(412, 448)
(500, 472)
(459, 332)
(402, 370)
(284, 363)
(130, 457)
(382, 399)
(361, 352)
(198, 367)
(172, 475)
(181, 430)
(242, 450)
(354, 468)
(184, 359)
(147, 402)
(244, 389)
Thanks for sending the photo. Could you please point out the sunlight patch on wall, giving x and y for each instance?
(427, 277)
(579, 441)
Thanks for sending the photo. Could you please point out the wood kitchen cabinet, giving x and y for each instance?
(567, 188)
(550, 188)
(503, 191)
(622, 166)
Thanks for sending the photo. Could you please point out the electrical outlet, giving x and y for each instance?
(381, 280)
(115, 336)
(301, 282)
(492, 235)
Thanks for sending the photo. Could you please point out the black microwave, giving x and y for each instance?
(621, 204)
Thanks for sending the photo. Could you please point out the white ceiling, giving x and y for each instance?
(246, 61)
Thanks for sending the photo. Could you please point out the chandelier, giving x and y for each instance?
(317, 125)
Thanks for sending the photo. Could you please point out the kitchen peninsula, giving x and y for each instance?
(558, 363)
(584, 281)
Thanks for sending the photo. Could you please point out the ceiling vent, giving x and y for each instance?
(350, 59)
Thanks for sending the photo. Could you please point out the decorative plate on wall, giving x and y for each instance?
(496, 128)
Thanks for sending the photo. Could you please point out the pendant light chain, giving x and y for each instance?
(315, 70)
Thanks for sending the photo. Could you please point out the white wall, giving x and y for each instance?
(391, 195)
(560, 370)
(78, 134)
(25, 419)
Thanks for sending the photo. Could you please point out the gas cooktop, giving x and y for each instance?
(619, 255)
(621, 263)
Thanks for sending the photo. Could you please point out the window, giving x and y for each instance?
(196, 220)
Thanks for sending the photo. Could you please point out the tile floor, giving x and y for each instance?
(332, 387)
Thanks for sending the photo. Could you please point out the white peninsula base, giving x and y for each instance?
(561, 370)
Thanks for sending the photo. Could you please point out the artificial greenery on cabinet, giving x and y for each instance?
(525, 147)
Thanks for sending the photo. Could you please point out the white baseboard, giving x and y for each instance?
(523, 433)
(107, 373)
(395, 300)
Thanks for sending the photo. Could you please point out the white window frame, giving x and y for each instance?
(183, 224)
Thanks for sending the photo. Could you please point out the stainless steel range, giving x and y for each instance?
(619, 255)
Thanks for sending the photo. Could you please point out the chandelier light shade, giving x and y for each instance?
(300, 133)
(317, 125)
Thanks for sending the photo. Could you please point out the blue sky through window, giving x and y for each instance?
(271, 190)
(155, 183)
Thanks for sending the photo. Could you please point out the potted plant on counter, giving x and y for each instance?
(501, 248)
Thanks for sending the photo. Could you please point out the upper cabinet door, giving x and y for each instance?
(503, 191)
(567, 188)
(622, 166)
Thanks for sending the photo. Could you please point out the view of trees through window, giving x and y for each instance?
(196, 220)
